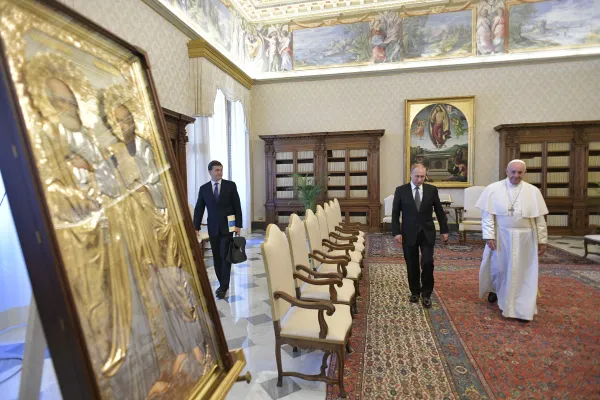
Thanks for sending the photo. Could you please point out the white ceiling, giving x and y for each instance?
(272, 11)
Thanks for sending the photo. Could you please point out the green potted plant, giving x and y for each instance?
(308, 190)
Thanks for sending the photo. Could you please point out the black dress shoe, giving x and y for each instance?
(492, 297)
(426, 302)
(220, 294)
(525, 321)
(414, 298)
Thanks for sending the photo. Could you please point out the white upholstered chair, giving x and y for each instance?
(337, 256)
(305, 324)
(353, 225)
(327, 234)
(388, 205)
(344, 293)
(339, 226)
(333, 223)
(471, 220)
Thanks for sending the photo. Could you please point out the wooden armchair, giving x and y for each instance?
(356, 253)
(352, 227)
(347, 234)
(305, 290)
(305, 324)
(336, 259)
(471, 220)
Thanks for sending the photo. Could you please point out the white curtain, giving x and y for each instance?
(15, 289)
(218, 133)
(240, 161)
(206, 79)
(198, 157)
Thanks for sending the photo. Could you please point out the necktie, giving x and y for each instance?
(417, 198)
(216, 191)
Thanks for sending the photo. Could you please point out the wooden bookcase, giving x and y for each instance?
(563, 160)
(347, 163)
(176, 124)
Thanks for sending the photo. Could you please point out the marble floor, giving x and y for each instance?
(246, 320)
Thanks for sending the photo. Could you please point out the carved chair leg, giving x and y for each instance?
(349, 348)
(341, 361)
(585, 245)
(324, 363)
(278, 359)
(356, 288)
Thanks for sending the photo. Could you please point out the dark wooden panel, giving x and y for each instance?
(579, 134)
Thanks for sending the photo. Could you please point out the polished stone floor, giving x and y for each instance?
(246, 319)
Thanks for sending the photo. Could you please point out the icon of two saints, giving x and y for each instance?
(124, 250)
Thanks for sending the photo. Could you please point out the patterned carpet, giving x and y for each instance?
(462, 348)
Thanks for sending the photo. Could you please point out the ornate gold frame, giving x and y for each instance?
(40, 39)
(466, 105)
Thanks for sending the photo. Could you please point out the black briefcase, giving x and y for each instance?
(237, 250)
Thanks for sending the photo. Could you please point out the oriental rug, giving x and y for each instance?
(462, 348)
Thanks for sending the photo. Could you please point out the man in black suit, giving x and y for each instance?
(416, 201)
(221, 199)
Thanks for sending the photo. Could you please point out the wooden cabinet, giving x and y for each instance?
(176, 124)
(347, 163)
(563, 161)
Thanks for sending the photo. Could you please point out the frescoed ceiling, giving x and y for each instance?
(272, 39)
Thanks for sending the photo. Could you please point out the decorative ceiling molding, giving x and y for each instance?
(201, 48)
(429, 66)
(280, 11)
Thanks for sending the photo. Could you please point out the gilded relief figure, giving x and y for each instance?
(171, 286)
(82, 193)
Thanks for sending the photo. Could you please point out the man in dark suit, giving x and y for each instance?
(221, 199)
(417, 201)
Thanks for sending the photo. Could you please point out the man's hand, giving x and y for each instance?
(197, 232)
(541, 249)
(445, 238)
(491, 243)
(398, 238)
(238, 230)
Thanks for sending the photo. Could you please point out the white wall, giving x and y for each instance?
(166, 46)
(535, 92)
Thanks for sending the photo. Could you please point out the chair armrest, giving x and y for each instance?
(323, 282)
(318, 274)
(336, 246)
(347, 230)
(350, 224)
(337, 236)
(341, 264)
(321, 306)
(325, 255)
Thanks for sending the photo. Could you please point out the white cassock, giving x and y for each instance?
(514, 217)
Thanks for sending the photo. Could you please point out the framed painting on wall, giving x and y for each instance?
(101, 214)
(439, 134)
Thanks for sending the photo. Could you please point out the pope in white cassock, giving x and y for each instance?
(515, 231)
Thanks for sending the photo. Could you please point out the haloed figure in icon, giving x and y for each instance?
(158, 247)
